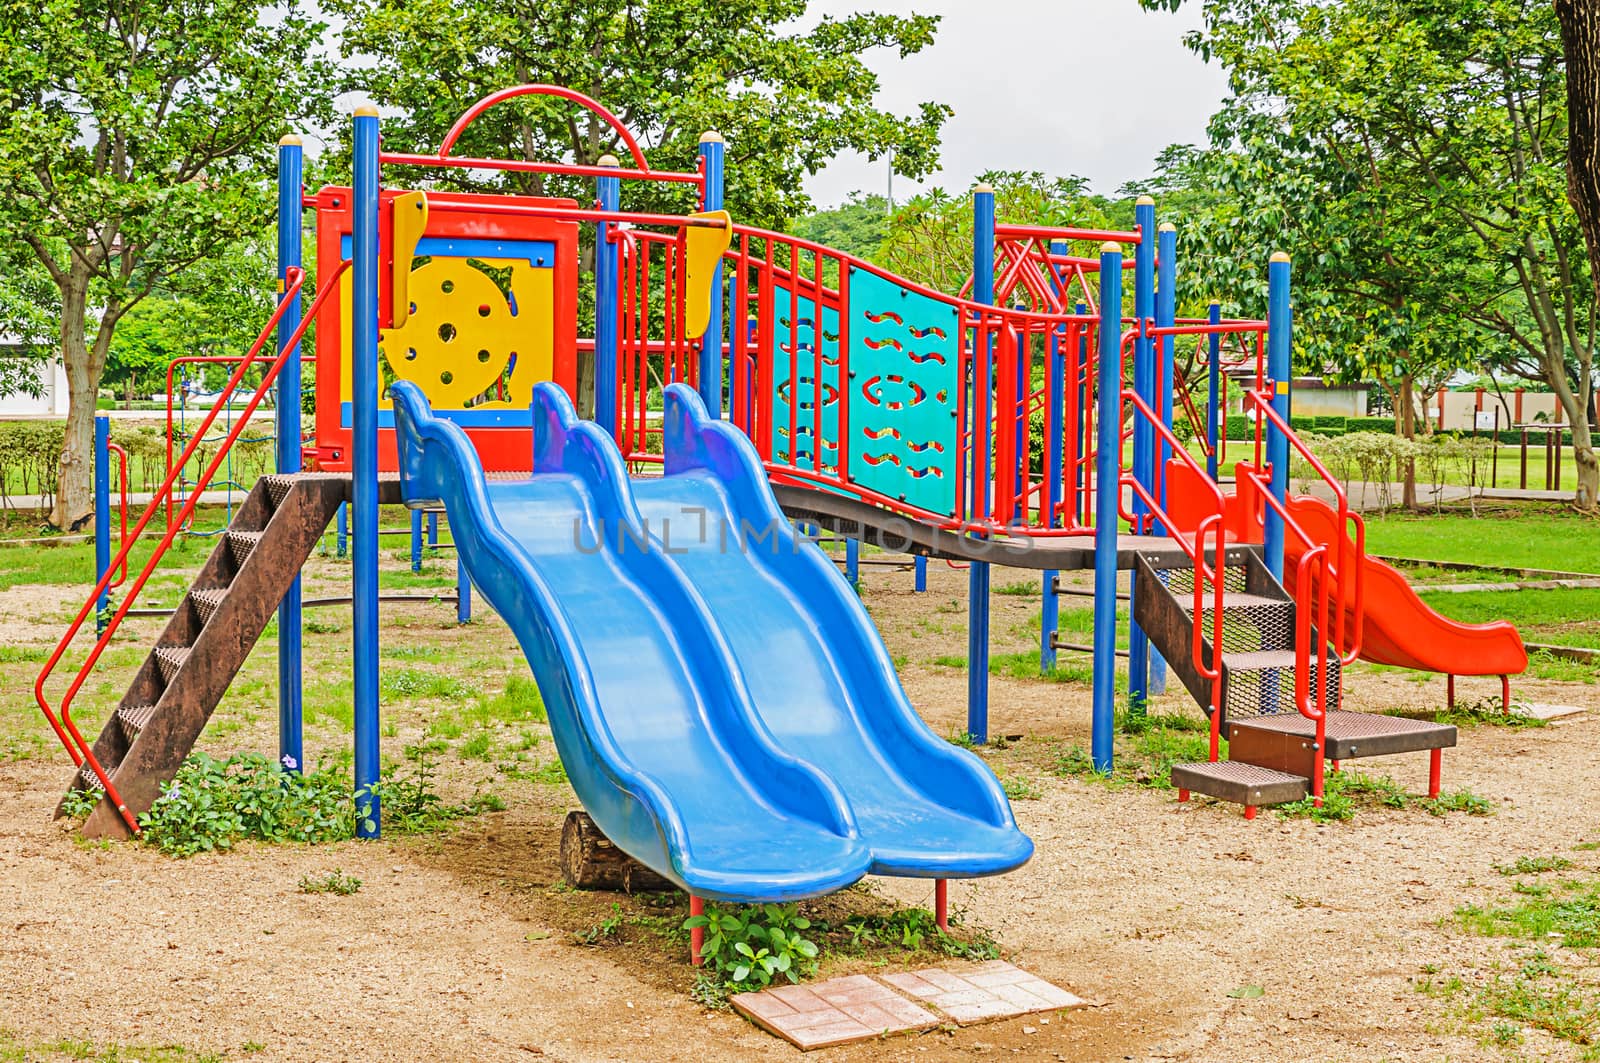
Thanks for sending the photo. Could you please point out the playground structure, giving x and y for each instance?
(1026, 421)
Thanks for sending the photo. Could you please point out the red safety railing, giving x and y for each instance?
(1212, 572)
(172, 436)
(1348, 570)
(122, 510)
(60, 718)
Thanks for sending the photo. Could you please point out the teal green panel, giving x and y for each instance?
(904, 366)
(795, 330)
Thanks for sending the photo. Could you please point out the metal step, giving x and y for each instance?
(133, 719)
(1243, 784)
(1357, 734)
(206, 602)
(91, 781)
(169, 660)
(241, 543)
(278, 488)
(1260, 660)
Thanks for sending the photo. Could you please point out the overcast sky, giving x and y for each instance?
(1029, 83)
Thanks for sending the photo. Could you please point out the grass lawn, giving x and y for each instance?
(1563, 617)
(1504, 536)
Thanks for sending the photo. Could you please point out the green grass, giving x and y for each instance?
(69, 563)
(1521, 536)
(14, 1049)
(1563, 616)
(1146, 748)
(1345, 793)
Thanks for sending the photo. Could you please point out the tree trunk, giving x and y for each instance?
(1580, 39)
(1406, 428)
(74, 506)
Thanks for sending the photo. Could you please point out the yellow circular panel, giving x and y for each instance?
(458, 339)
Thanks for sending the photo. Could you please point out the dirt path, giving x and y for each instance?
(459, 946)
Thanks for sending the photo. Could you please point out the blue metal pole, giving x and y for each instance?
(1055, 391)
(463, 591)
(291, 753)
(1279, 372)
(712, 151)
(341, 536)
(1107, 464)
(920, 567)
(364, 467)
(608, 190)
(416, 540)
(1144, 281)
(852, 562)
(1166, 316)
(1214, 416)
(102, 515)
(433, 528)
(982, 387)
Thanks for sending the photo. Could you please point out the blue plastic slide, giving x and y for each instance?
(723, 706)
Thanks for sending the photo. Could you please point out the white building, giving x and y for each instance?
(52, 385)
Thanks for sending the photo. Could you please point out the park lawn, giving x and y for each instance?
(1505, 536)
(1562, 617)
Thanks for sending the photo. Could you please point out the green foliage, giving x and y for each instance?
(857, 226)
(212, 805)
(1534, 865)
(411, 804)
(133, 142)
(915, 930)
(78, 804)
(1347, 792)
(786, 98)
(334, 881)
(750, 945)
(606, 931)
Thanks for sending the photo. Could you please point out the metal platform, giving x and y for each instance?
(1243, 784)
(1357, 734)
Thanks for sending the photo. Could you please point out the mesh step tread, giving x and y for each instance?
(91, 781)
(207, 601)
(1260, 660)
(1361, 734)
(1241, 783)
(133, 719)
(170, 659)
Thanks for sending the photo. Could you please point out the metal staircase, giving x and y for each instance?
(1281, 726)
(206, 642)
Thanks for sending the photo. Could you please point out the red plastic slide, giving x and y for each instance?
(1400, 628)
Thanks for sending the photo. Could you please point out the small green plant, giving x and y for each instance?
(1457, 801)
(334, 882)
(212, 805)
(78, 804)
(963, 739)
(709, 992)
(1021, 788)
(1534, 865)
(606, 931)
(749, 946)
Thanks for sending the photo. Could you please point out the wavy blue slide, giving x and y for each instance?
(722, 703)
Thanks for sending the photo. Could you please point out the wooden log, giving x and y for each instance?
(590, 862)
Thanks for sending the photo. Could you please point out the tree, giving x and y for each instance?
(857, 226)
(135, 140)
(930, 236)
(787, 100)
(1438, 127)
(25, 320)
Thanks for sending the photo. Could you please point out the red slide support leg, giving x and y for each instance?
(697, 936)
(1183, 795)
(1435, 764)
(1249, 811)
(1505, 694)
(941, 904)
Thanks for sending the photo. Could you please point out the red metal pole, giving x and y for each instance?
(697, 936)
(941, 904)
(1435, 763)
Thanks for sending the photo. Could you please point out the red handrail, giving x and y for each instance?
(122, 481)
(1212, 522)
(1355, 603)
(65, 727)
